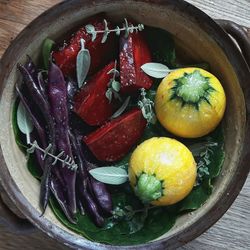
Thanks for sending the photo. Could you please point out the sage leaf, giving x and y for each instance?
(110, 175)
(24, 122)
(121, 109)
(46, 50)
(156, 70)
(82, 64)
(116, 86)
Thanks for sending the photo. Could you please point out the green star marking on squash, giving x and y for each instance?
(192, 89)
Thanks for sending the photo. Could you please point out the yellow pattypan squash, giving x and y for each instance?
(162, 171)
(190, 102)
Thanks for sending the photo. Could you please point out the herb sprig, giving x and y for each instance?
(66, 161)
(147, 107)
(26, 127)
(106, 31)
(114, 86)
(203, 152)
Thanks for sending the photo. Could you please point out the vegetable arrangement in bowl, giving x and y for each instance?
(100, 131)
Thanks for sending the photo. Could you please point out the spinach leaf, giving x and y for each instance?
(162, 46)
(46, 51)
(201, 193)
(158, 221)
(32, 166)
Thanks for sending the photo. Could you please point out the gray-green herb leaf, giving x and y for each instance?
(64, 159)
(156, 70)
(106, 32)
(90, 29)
(113, 86)
(109, 94)
(116, 86)
(147, 107)
(24, 121)
(121, 109)
(110, 175)
(82, 64)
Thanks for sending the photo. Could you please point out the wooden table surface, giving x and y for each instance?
(232, 231)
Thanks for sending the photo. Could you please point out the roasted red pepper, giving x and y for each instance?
(100, 53)
(91, 104)
(114, 140)
(134, 52)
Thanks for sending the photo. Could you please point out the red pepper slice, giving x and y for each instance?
(91, 104)
(134, 52)
(100, 53)
(113, 141)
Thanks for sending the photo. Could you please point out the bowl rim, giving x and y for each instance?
(192, 231)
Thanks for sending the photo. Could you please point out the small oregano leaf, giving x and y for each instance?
(156, 70)
(24, 122)
(91, 30)
(109, 94)
(46, 50)
(82, 64)
(121, 109)
(116, 86)
(110, 175)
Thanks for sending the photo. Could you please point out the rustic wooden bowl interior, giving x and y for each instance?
(191, 41)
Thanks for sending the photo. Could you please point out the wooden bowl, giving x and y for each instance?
(197, 36)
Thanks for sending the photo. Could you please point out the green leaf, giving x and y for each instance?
(195, 199)
(162, 46)
(156, 70)
(137, 230)
(82, 64)
(46, 50)
(110, 175)
(121, 109)
(24, 122)
(201, 193)
(202, 65)
(32, 166)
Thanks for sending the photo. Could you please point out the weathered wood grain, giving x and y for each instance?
(232, 231)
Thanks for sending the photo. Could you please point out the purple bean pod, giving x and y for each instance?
(56, 187)
(79, 204)
(89, 203)
(98, 189)
(57, 93)
(101, 194)
(42, 103)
